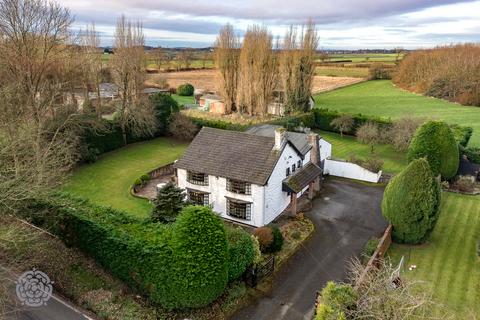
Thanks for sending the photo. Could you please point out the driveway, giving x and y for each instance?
(346, 216)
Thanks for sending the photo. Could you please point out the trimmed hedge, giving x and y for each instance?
(472, 153)
(185, 89)
(411, 202)
(182, 265)
(324, 117)
(435, 141)
(219, 124)
(241, 252)
(335, 301)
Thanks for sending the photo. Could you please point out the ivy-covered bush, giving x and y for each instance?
(182, 265)
(335, 301)
(277, 241)
(435, 141)
(185, 89)
(411, 202)
(241, 252)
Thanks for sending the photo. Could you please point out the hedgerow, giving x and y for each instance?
(185, 89)
(182, 265)
(411, 202)
(435, 141)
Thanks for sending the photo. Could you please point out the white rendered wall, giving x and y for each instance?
(217, 188)
(325, 150)
(276, 201)
(349, 170)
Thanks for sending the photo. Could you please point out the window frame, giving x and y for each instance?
(299, 164)
(288, 171)
(193, 178)
(204, 196)
(237, 214)
(239, 187)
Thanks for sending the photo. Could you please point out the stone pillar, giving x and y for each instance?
(293, 203)
(313, 140)
(311, 190)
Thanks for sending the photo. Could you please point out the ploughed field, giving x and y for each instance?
(448, 264)
(381, 98)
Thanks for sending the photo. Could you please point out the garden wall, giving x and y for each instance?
(344, 169)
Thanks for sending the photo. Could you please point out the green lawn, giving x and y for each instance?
(182, 100)
(382, 98)
(343, 147)
(107, 181)
(448, 261)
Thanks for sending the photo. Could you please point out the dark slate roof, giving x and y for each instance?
(301, 179)
(299, 140)
(231, 154)
(467, 168)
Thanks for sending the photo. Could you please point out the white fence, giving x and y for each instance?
(349, 170)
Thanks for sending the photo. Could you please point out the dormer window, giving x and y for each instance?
(197, 178)
(239, 186)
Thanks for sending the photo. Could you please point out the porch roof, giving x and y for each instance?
(297, 182)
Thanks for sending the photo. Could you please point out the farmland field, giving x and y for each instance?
(107, 182)
(365, 57)
(341, 72)
(448, 261)
(382, 98)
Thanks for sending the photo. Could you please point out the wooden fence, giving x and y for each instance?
(378, 255)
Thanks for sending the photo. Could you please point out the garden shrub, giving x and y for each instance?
(168, 203)
(277, 241)
(241, 252)
(164, 106)
(370, 248)
(185, 89)
(435, 141)
(472, 153)
(257, 254)
(264, 236)
(379, 71)
(182, 265)
(324, 118)
(462, 134)
(335, 301)
(373, 163)
(200, 271)
(182, 127)
(411, 202)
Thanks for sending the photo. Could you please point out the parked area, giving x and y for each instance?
(346, 215)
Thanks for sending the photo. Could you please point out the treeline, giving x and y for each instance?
(258, 71)
(451, 73)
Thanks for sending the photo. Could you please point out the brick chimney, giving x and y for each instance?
(313, 140)
(279, 138)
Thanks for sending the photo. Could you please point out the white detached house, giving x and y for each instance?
(251, 177)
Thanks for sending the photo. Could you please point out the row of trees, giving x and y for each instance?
(251, 71)
(449, 72)
(43, 70)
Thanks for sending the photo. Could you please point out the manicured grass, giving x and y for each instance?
(448, 261)
(182, 100)
(343, 147)
(382, 98)
(107, 181)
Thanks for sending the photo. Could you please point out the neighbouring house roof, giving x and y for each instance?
(467, 168)
(154, 90)
(299, 140)
(211, 97)
(297, 182)
(231, 154)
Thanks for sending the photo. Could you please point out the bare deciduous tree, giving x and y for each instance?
(186, 56)
(134, 113)
(38, 123)
(370, 134)
(343, 123)
(226, 60)
(257, 71)
(298, 66)
(402, 131)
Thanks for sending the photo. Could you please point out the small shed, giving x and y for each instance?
(212, 103)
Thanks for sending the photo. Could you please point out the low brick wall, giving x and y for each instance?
(164, 170)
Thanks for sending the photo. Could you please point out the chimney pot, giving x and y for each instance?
(279, 138)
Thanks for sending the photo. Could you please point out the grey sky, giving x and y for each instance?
(341, 23)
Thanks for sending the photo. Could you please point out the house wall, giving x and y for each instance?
(325, 149)
(349, 170)
(217, 188)
(276, 201)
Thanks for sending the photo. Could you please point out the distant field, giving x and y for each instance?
(344, 147)
(107, 182)
(341, 72)
(447, 262)
(382, 98)
(366, 57)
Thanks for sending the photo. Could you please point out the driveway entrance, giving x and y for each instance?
(346, 216)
